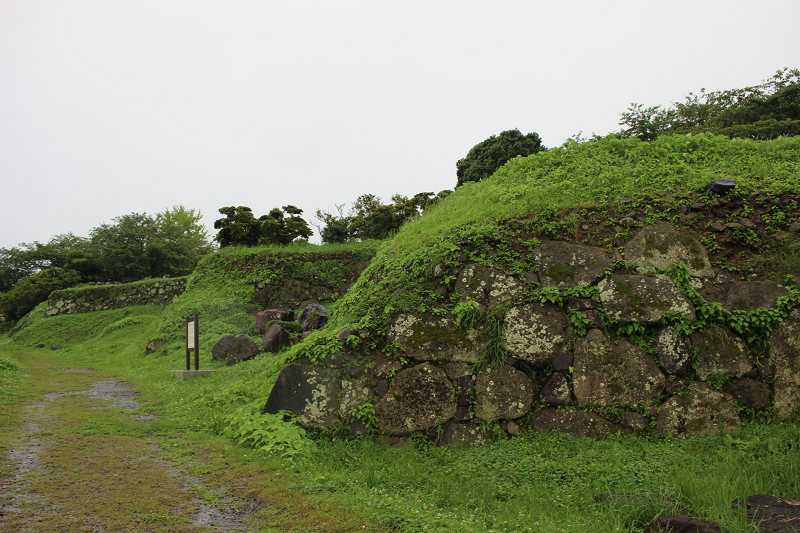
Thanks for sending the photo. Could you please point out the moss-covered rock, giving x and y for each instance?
(437, 338)
(661, 246)
(420, 398)
(573, 422)
(502, 393)
(643, 299)
(785, 358)
(744, 295)
(673, 351)
(562, 264)
(610, 373)
(311, 394)
(488, 286)
(701, 410)
(721, 354)
(537, 332)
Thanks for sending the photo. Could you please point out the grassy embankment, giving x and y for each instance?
(530, 483)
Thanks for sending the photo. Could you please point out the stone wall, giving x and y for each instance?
(579, 364)
(103, 297)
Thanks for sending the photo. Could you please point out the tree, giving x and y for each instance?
(284, 226)
(138, 246)
(25, 260)
(238, 228)
(31, 291)
(335, 228)
(486, 157)
(241, 228)
(764, 111)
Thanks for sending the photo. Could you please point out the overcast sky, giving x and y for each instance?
(109, 107)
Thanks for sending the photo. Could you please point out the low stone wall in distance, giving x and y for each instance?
(104, 297)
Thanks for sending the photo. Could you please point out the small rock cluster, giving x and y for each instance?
(276, 327)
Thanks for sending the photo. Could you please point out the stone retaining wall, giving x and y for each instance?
(103, 297)
(570, 367)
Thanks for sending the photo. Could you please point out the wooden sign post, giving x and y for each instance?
(192, 344)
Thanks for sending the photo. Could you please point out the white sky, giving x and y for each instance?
(109, 107)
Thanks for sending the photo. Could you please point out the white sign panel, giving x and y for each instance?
(190, 334)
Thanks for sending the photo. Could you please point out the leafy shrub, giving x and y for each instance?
(123, 323)
(29, 292)
(7, 363)
(267, 433)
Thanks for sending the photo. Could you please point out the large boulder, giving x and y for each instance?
(437, 338)
(643, 299)
(311, 394)
(537, 332)
(354, 392)
(722, 354)
(561, 264)
(744, 295)
(610, 373)
(785, 358)
(661, 246)
(314, 316)
(421, 397)
(771, 514)
(700, 410)
(220, 349)
(275, 339)
(751, 393)
(573, 422)
(502, 393)
(268, 315)
(487, 286)
(673, 351)
(242, 348)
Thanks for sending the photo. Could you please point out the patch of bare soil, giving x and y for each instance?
(44, 487)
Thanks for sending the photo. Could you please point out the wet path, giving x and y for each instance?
(85, 460)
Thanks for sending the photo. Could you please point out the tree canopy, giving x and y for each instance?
(765, 111)
(241, 228)
(369, 218)
(487, 156)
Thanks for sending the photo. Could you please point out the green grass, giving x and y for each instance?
(576, 175)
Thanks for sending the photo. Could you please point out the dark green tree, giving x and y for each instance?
(31, 291)
(764, 111)
(138, 246)
(284, 226)
(334, 228)
(239, 227)
(486, 157)
(24, 260)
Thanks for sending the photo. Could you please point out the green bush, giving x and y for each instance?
(7, 363)
(267, 433)
(29, 292)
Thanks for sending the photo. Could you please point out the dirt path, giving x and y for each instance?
(85, 456)
(69, 473)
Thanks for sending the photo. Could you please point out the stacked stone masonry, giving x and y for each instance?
(112, 296)
(553, 380)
